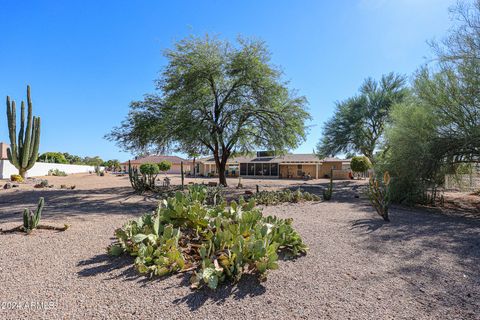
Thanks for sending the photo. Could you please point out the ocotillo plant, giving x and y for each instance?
(24, 153)
(327, 193)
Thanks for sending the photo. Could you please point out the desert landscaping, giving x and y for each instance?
(250, 160)
(424, 264)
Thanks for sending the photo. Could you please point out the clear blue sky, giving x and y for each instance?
(86, 60)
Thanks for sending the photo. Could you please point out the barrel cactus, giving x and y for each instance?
(23, 154)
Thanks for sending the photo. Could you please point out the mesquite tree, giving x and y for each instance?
(226, 98)
(24, 153)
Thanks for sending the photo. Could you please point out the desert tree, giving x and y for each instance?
(359, 122)
(226, 97)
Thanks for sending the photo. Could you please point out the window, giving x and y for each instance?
(251, 169)
(258, 169)
(274, 169)
(243, 169)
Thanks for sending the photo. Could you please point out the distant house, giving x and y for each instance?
(174, 160)
(288, 166)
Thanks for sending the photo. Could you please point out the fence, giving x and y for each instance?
(462, 182)
(41, 169)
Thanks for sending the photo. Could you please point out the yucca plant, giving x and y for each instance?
(378, 192)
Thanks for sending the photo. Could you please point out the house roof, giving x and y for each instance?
(157, 159)
(287, 158)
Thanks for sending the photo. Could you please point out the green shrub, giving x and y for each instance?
(57, 172)
(164, 166)
(150, 172)
(216, 242)
(360, 164)
(52, 157)
(281, 196)
(16, 178)
(42, 184)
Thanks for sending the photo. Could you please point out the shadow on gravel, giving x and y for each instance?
(248, 286)
(437, 255)
(104, 264)
(64, 203)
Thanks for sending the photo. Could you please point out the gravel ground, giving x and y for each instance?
(422, 265)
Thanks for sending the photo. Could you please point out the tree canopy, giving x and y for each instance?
(359, 122)
(437, 130)
(52, 157)
(219, 98)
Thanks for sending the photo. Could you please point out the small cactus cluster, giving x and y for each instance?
(137, 180)
(24, 153)
(31, 219)
(379, 195)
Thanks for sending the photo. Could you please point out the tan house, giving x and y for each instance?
(289, 166)
(174, 160)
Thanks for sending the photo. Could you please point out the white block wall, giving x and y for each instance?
(41, 169)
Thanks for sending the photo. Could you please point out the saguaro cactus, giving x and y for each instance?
(24, 153)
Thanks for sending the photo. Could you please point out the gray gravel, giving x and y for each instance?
(422, 265)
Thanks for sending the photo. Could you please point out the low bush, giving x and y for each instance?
(57, 173)
(277, 197)
(217, 243)
(16, 178)
(42, 184)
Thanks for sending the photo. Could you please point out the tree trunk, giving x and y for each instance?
(221, 174)
(22, 173)
(194, 169)
(221, 166)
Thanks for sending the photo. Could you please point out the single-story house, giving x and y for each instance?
(288, 166)
(174, 160)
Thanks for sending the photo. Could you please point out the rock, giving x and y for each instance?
(7, 185)
(249, 192)
(15, 185)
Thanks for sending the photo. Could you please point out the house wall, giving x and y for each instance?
(291, 170)
(41, 169)
(326, 167)
(341, 174)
